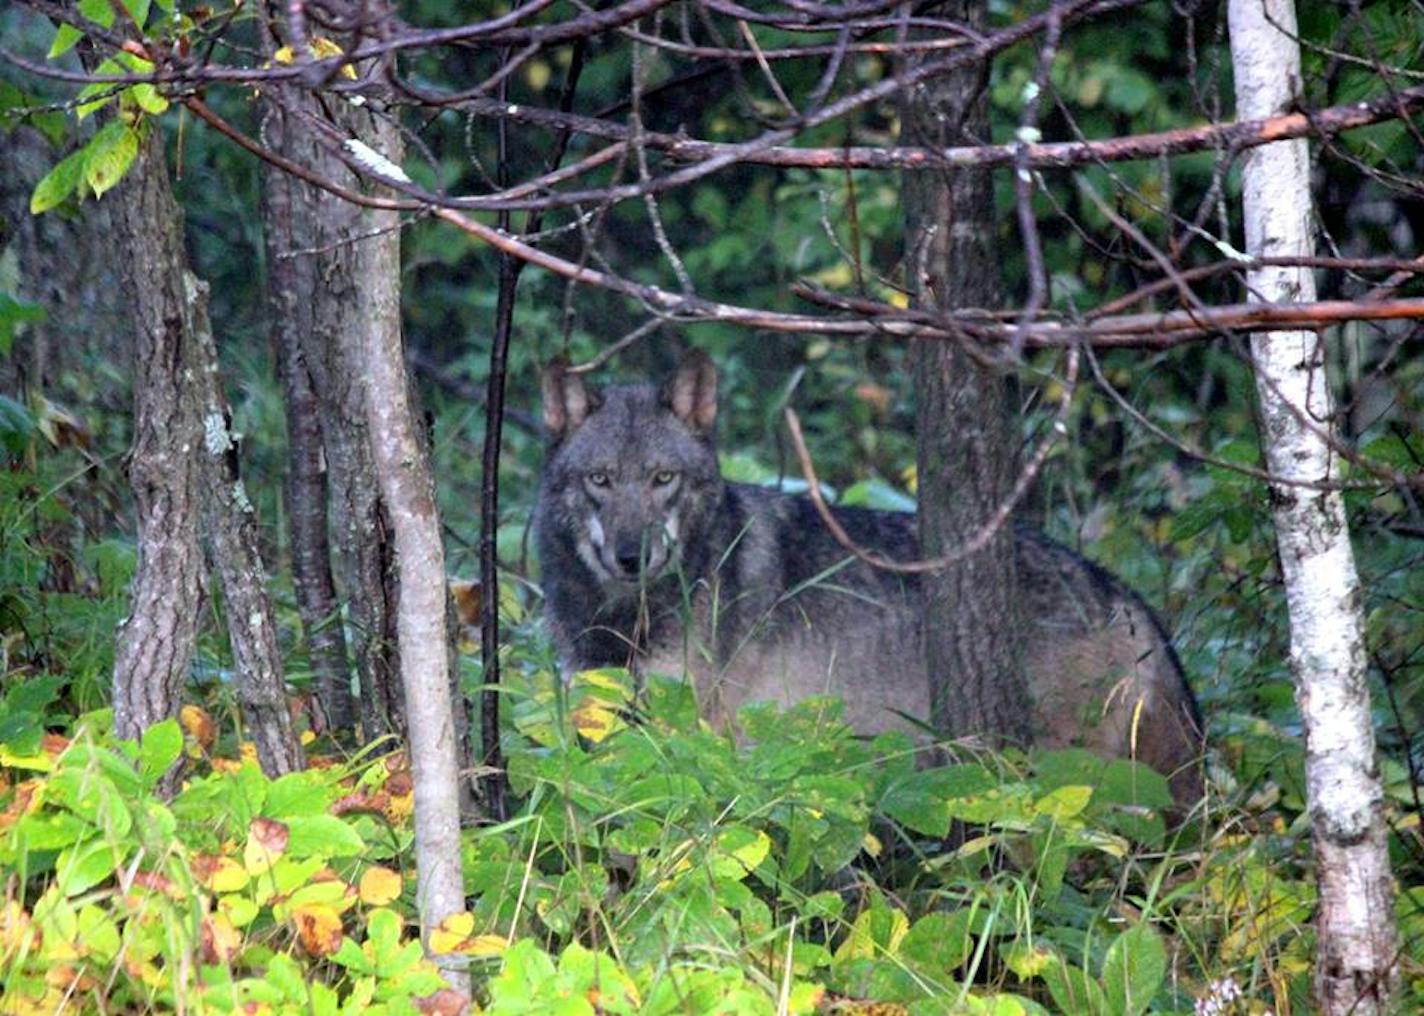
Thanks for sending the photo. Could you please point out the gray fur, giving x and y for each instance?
(651, 560)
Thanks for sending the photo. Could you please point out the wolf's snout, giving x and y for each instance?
(629, 556)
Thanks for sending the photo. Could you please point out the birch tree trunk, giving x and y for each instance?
(408, 490)
(1355, 968)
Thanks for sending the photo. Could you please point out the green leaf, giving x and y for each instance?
(322, 836)
(16, 425)
(1133, 970)
(111, 152)
(1074, 991)
(58, 183)
(65, 36)
(138, 10)
(148, 99)
(297, 795)
(159, 748)
(15, 312)
(98, 11)
(85, 865)
(939, 941)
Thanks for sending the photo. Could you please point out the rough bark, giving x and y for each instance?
(291, 216)
(965, 418)
(155, 642)
(322, 309)
(403, 469)
(1355, 968)
(231, 527)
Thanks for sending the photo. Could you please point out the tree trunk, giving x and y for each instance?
(155, 642)
(291, 212)
(322, 258)
(1355, 968)
(409, 492)
(231, 527)
(967, 442)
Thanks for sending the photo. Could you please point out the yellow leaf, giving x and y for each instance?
(323, 48)
(614, 679)
(379, 886)
(596, 721)
(485, 945)
(871, 844)
(1063, 802)
(283, 55)
(461, 923)
(537, 74)
(453, 935)
(226, 876)
(750, 854)
(15, 929)
(839, 274)
(861, 943)
(1028, 961)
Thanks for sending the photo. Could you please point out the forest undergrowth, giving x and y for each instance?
(653, 865)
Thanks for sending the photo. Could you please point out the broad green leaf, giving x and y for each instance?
(298, 794)
(322, 836)
(159, 748)
(111, 152)
(148, 99)
(1074, 991)
(101, 12)
(85, 865)
(1133, 970)
(138, 10)
(65, 36)
(58, 183)
(1064, 802)
(939, 941)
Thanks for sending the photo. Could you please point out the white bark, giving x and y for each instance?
(1355, 955)
(409, 493)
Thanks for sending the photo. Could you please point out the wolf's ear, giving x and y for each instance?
(566, 401)
(691, 393)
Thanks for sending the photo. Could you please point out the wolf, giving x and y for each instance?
(651, 560)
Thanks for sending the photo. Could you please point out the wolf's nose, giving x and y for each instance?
(630, 557)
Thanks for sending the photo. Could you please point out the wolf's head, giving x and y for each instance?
(630, 476)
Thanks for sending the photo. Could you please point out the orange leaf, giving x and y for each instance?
(199, 725)
(318, 928)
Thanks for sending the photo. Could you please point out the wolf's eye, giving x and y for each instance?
(663, 477)
(598, 478)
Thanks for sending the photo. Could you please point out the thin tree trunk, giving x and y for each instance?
(322, 258)
(965, 418)
(155, 642)
(1355, 969)
(290, 214)
(231, 527)
(408, 489)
